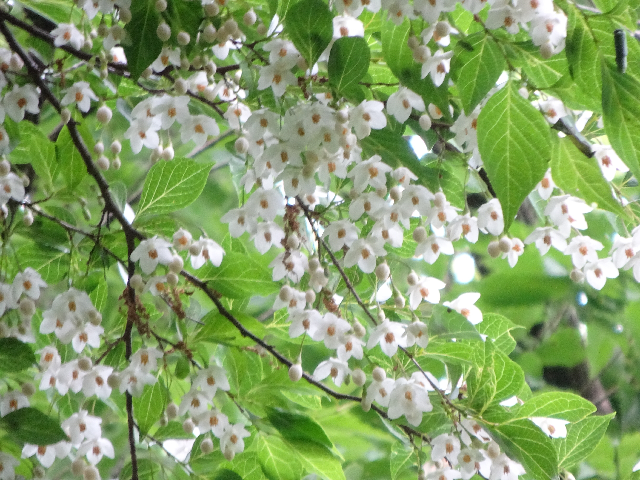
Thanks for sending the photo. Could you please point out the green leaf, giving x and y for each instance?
(248, 467)
(240, 276)
(183, 367)
(142, 45)
(51, 263)
(583, 56)
(309, 24)
(543, 73)
(513, 139)
(170, 186)
(562, 405)
(15, 356)
(498, 328)
(148, 407)
(582, 438)
(478, 69)
(182, 17)
(563, 348)
(513, 288)
(172, 430)
(217, 329)
(295, 427)
(35, 148)
(317, 459)
(29, 425)
(580, 176)
(348, 62)
(274, 455)
(447, 324)
(457, 353)
(621, 109)
(147, 469)
(400, 459)
(70, 163)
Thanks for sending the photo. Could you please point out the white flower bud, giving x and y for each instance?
(206, 446)
(211, 68)
(114, 380)
(27, 307)
(5, 167)
(443, 29)
(98, 148)
(172, 279)
(262, 29)
(286, 293)
(293, 242)
(412, 279)
(302, 63)
(229, 454)
(78, 466)
(195, 249)
(358, 329)
(183, 38)
(181, 86)
(161, 6)
(104, 114)
(163, 421)
(136, 282)
(103, 163)
(505, 244)
(358, 377)
(185, 64)
(365, 406)
(27, 218)
(494, 249)
(249, 18)
(314, 264)
(28, 389)
(420, 234)
(493, 451)
(168, 153)
(209, 33)
(88, 44)
(85, 364)
(117, 32)
(439, 199)
(103, 30)
(65, 115)
(209, 93)
(318, 277)
(176, 264)
(295, 372)
(188, 426)
(413, 42)
(211, 9)
(381, 192)
(15, 62)
(421, 54)
(242, 145)
(116, 164)
(425, 122)
(382, 272)
(95, 317)
(91, 473)
(395, 193)
(147, 72)
(171, 411)
(125, 15)
(164, 32)
(231, 27)
(379, 374)
(398, 300)
(546, 50)
(576, 275)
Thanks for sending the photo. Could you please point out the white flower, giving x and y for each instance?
(432, 247)
(95, 449)
(401, 103)
(146, 359)
(364, 252)
(169, 109)
(445, 446)
(372, 172)
(240, 220)
(81, 94)
(469, 460)
(265, 203)
(209, 250)
(503, 468)
(340, 233)
(546, 186)
(150, 252)
(390, 335)
(608, 160)
(380, 392)
(28, 282)
(346, 26)
(182, 239)
(6, 298)
(330, 330)
(194, 402)
(437, 66)
(81, 426)
(12, 401)
(134, 380)
(368, 202)
(409, 399)
(582, 250)
(490, 217)
(597, 272)
(267, 235)
(67, 33)
(291, 264)
(95, 382)
(212, 420)
(366, 116)
(198, 128)
(464, 305)
(8, 464)
(168, 56)
(553, 427)
(350, 346)
(278, 76)
(143, 131)
(279, 48)
(19, 100)
(417, 334)
(333, 367)
(427, 289)
(517, 249)
(463, 225)
(210, 379)
(553, 109)
(307, 321)
(545, 238)
(46, 454)
(232, 439)
(416, 198)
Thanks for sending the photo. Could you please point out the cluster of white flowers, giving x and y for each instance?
(17, 304)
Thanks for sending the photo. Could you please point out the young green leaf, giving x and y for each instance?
(498, 328)
(170, 186)
(348, 62)
(309, 24)
(148, 408)
(513, 139)
(582, 438)
(275, 458)
(562, 405)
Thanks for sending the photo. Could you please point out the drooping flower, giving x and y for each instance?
(81, 94)
(464, 305)
(150, 252)
(390, 335)
(408, 399)
(401, 103)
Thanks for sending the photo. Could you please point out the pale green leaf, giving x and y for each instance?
(170, 186)
(317, 459)
(621, 108)
(248, 466)
(142, 45)
(295, 427)
(450, 352)
(513, 139)
(148, 408)
(35, 148)
(218, 329)
(581, 176)
(530, 446)
(275, 458)
(71, 166)
(348, 62)
(52, 264)
(498, 328)
(541, 72)
(477, 68)
(562, 405)
(447, 324)
(400, 459)
(582, 438)
(309, 24)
